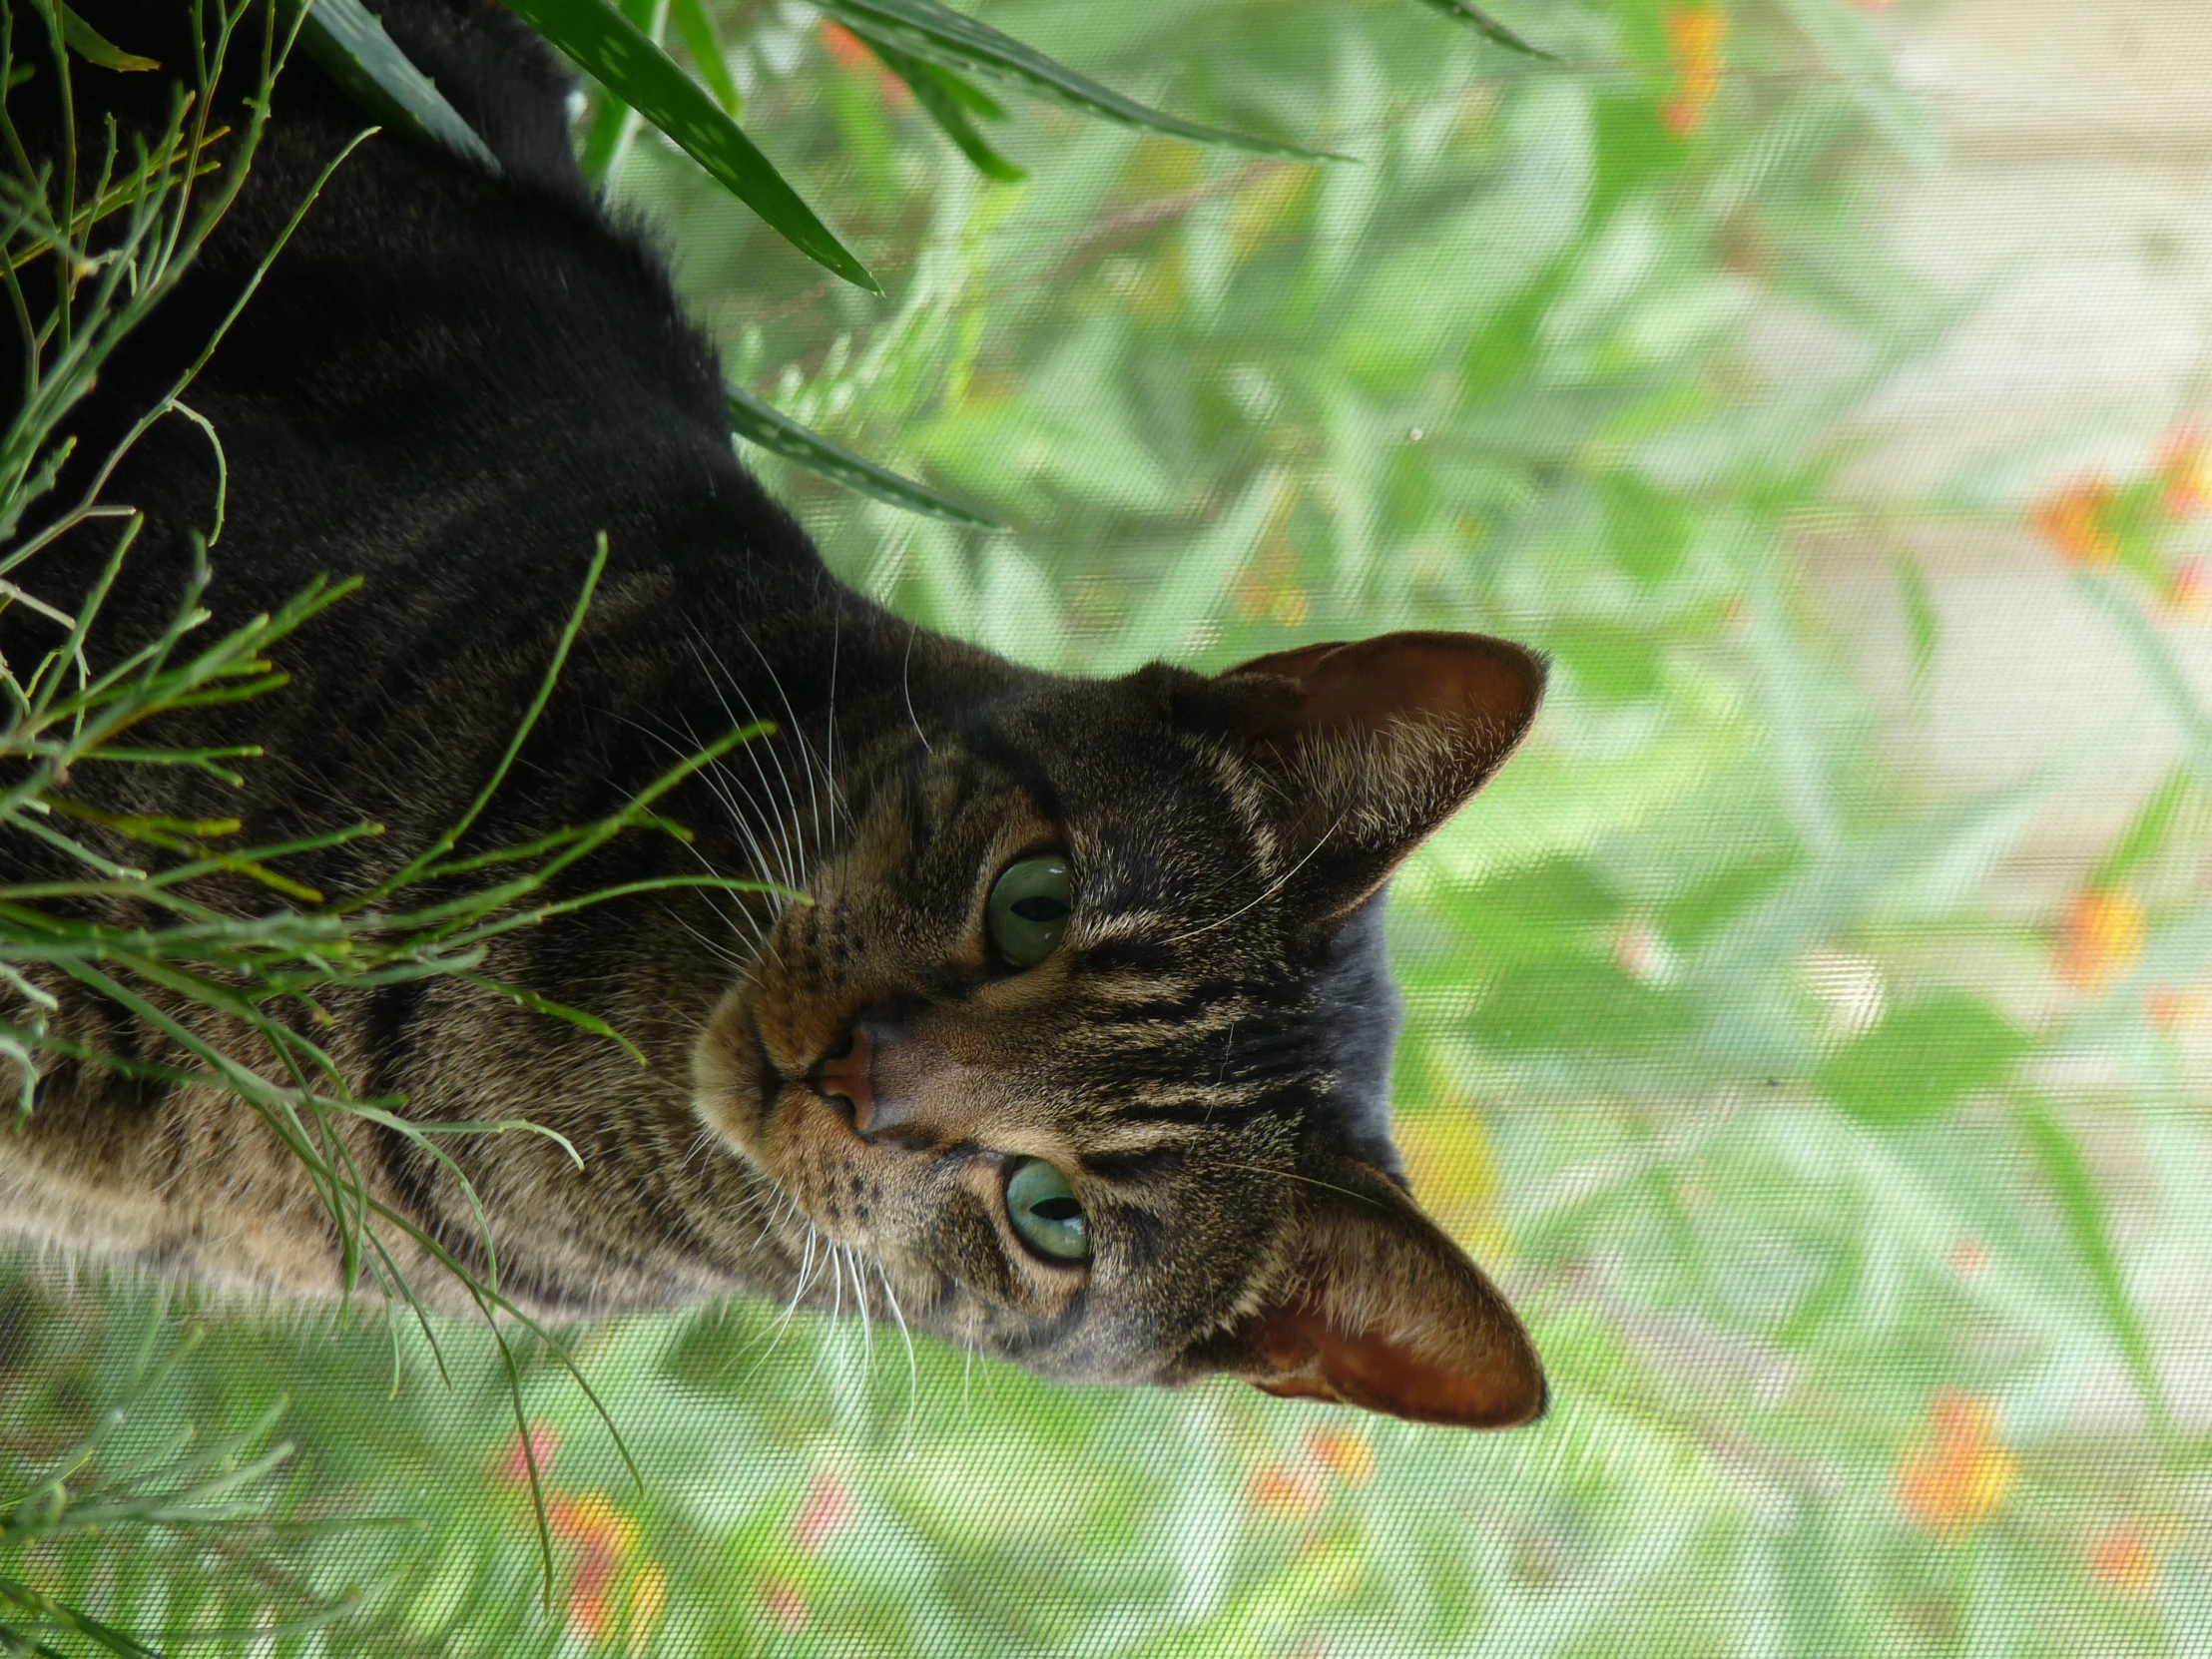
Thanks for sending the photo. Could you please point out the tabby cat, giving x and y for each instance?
(1081, 1051)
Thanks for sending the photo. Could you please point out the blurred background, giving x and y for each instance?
(1812, 1028)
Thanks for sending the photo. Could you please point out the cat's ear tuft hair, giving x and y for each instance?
(1374, 744)
(1379, 1308)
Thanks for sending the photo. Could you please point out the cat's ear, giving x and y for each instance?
(1379, 1308)
(1374, 743)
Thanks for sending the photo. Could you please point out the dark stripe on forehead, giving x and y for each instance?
(1135, 1169)
(1224, 1114)
(1145, 956)
(1020, 766)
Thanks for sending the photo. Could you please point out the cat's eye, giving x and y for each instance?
(1028, 909)
(1045, 1214)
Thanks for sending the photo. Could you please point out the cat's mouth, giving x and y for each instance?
(771, 1107)
(736, 1081)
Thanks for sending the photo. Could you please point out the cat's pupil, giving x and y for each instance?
(1057, 1209)
(1038, 908)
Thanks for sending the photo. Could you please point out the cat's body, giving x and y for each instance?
(449, 384)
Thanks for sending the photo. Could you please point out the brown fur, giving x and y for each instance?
(1205, 1057)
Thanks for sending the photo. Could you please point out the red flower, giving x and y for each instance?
(781, 1602)
(545, 1446)
(828, 1512)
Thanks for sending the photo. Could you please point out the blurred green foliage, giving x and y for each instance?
(1841, 1202)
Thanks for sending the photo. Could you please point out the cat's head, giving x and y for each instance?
(1086, 1036)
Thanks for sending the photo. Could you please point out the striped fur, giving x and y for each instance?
(449, 383)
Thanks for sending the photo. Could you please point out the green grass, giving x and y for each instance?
(1857, 1213)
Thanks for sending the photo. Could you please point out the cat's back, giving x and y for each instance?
(445, 382)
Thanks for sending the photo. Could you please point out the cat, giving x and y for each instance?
(1078, 1050)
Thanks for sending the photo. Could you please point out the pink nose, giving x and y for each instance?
(851, 1071)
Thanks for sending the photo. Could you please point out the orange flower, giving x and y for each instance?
(1961, 1481)
(828, 1512)
(1693, 38)
(1282, 1491)
(2104, 934)
(2073, 521)
(2169, 1010)
(1343, 1454)
(602, 1536)
(545, 1446)
(2120, 1557)
(2186, 591)
(844, 46)
(2186, 486)
(849, 52)
(781, 1602)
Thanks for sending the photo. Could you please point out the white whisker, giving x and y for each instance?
(788, 832)
(913, 1368)
(799, 733)
(1269, 891)
(906, 684)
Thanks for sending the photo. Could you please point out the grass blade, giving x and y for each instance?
(941, 35)
(946, 98)
(698, 31)
(95, 48)
(760, 423)
(2158, 664)
(1488, 27)
(639, 73)
(350, 46)
(2151, 832)
(2083, 1210)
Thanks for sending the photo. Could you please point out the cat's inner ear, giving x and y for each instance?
(1374, 743)
(1381, 1309)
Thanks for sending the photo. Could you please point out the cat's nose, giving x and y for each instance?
(850, 1070)
(874, 1066)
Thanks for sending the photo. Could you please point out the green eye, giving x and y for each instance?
(1044, 1211)
(1028, 911)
